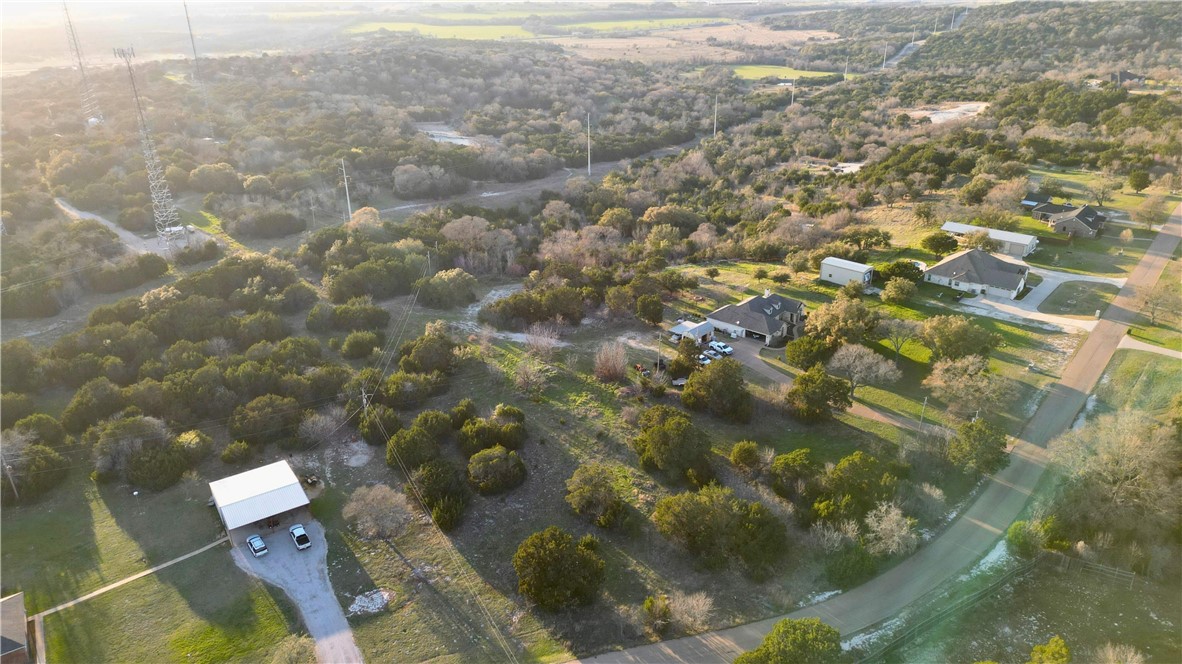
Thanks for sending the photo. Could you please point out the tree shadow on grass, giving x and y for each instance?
(50, 547)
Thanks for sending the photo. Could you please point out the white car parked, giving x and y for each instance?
(300, 536)
(258, 548)
(703, 360)
(712, 354)
(722, 348)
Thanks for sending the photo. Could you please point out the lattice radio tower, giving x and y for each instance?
(168, 220)
(197, 82)
(92, 115)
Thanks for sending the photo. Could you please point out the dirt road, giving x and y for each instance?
(139, 245)
(499, 195)
(977, 529)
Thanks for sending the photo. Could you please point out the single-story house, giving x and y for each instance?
(14, 630)
(1044, 211)
(1083, 221)
(699, 332)
(1034, 199)
(1126, 77)
(975, 271)
(1009, 243)
(771, 318)
(841, 272)
(257, 495)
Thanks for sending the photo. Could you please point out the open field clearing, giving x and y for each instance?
(949, 111)
(447, 31)
(645, 48)
(643, 24)
(1138, 380)
(504, 12)
(1078, 299)
(1168, 330)
(748, 33)
(754, 72)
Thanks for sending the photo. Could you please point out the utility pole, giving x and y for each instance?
(92, 115)
(8, 472)
(164, 213)
(348, 201)
(716, 114)
(923, 410)
(792, 100)
(884, 56)
(953, 21)
(588, 143)
(845, 75)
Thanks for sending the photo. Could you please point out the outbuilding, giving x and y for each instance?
(976, 271)
(841, 272)
(257, 495)
(1009, 243)
(700, 332)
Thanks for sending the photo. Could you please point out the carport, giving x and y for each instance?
(257, 495)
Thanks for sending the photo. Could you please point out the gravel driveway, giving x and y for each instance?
(303, 575)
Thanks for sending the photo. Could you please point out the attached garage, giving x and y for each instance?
(257, 495)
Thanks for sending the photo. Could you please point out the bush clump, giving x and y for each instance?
(495, 470)
(555, 572)
(443, 491)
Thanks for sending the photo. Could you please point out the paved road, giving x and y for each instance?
(977, 529)
(303, 576)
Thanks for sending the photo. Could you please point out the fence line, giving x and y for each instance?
(1067, 563)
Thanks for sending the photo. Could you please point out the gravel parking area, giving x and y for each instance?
(303, 575)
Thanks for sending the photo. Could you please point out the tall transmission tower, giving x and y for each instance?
(168, 220)
(198, 83)
(92, 115)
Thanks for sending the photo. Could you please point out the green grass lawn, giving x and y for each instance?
(754, 72)
(1138, 380)
(201, 610)
(1167, 331)
(1076, 181)
(446, 31)
(1078, 299)
(644, 24)
(501, 12)
(1105, 256)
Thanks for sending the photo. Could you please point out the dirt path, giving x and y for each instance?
(978, 528)
(133, 577)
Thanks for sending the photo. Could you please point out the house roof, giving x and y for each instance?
(1087, 215)
(994, 233)
(849, 265)
(252, 496)
(689, 327)
(1051, 208)
(1035, 198)
(14, 633)
(979, 267)
(758, 313)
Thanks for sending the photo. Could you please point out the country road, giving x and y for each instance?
(978, 528)
(505, 194)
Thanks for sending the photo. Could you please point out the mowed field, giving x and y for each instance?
(755, 72)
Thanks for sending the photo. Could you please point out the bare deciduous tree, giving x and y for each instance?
(897, 332)
(966, 385)
(541, 339)
(530, 376)
(889, 531)
(1161, 299)
(862, 366)
(318, 428)
(691, 611)
(1112, 653)
(378, 512)
(611, 362)
(833, 537)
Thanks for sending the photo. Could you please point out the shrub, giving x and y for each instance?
(480, 434)
(611, 363)
(790, 472)
(555, 572)
(719, 387)
(378, 423)
(377, 512)
(850, 567)
(670, 442)
(404, 390)
(657, 614)
(195, 444)
(592, 493)
(269, 418)
(15, 407)
(38, 469)
(462, 412)
(506, 412)
(413, 447)
(157, 467)
(362, 343)
(804, 352)
(799, 641)
(194, 254)
(1023, 539)
(745, 455)
(717, 527)
(495, 470)
(236, 452)
(42, 429)
(435, 422)
(443, 491)
(898, 290)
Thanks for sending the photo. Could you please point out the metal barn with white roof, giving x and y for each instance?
(1009, 243)
(256, 495)
(840, 271)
